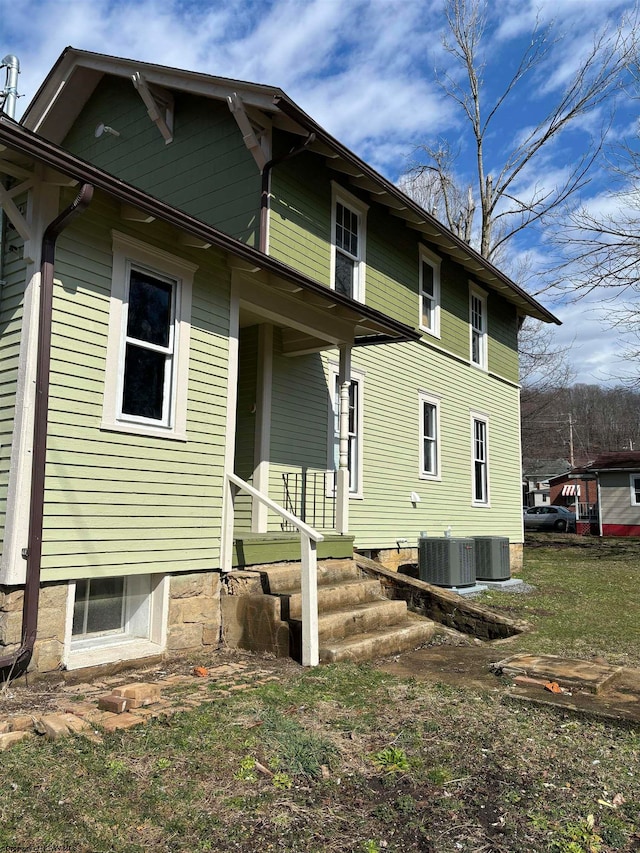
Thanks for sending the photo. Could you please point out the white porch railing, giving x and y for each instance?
(309, 560)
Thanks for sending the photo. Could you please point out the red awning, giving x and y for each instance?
(571, 491)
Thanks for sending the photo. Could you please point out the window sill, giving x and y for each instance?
(142, 429)
(433, 478)
(476, 505)
(125, 648)
(430, 332)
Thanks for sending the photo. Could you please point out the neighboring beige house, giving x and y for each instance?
(617, 476)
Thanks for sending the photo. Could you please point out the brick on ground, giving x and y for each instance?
(8, 739)
(139, 695)
(113, 703)
(121, 721)
(52, 726)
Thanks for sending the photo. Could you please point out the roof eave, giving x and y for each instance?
(25, 142)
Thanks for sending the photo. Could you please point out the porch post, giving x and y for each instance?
(262, 442)
(342, 475)
(226, 544)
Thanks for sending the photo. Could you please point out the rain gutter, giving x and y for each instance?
(15, 665)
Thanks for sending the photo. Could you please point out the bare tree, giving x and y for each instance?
(602, 249)
(503, 208)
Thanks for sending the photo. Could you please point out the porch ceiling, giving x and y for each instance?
(311, 321)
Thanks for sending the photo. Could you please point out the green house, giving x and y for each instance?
(235, 311)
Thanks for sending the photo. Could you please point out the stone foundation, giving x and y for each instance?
(49, 646)
(250, 619)
(194, 612)
(193, 619)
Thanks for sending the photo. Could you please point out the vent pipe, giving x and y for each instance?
(10, 91)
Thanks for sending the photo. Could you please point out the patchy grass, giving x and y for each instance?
(586, 601)
(347, 759)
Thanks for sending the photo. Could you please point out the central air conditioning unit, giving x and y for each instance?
(492, 558)
(447, 561)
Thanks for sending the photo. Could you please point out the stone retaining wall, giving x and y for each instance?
(442, 605)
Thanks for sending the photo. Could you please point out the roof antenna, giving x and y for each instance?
(9, 95)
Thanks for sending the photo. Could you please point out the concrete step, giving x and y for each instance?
(361, 618)
(285, 578)
(336, 596)
(381, 643)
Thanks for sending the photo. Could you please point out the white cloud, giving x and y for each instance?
(362, 68)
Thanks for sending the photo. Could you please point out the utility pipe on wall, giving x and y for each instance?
(10, 91)
(15, 665)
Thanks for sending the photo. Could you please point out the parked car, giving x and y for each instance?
(549, 518)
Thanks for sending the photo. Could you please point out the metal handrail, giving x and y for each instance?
(309, 576)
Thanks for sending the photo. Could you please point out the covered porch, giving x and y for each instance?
(292, 414)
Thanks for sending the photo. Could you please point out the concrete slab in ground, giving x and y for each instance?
(475, 666)
(568, 672)
(510, 585)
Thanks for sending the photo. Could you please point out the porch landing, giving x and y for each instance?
(252, 549)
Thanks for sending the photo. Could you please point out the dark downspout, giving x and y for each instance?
(15, 665)
(264, 195)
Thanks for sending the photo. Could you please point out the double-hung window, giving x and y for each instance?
(348, 244)
(149, 340)
(354, 430)
(635, 489)
(480, 460)
(429, 292)
(429, 438)
(148, 346)
(478, 327)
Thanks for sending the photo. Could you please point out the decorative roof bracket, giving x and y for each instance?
(159, 104)
(12, 210)
(247, 130)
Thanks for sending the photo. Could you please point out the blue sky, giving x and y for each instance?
(364, 69)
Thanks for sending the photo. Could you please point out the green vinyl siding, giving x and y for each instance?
(206, 171)
(299, 430)
(300, 236)
(125, 503)
(394, 376)
(11, 316)
(300, 216)
(245, 423)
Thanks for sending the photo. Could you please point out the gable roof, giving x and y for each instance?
(23, 148)
(76, 73)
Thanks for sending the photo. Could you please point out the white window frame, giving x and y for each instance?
(431, 260)
(128, 254)
(477, 294)
(340, 196)
(357, 376)
(485, 501)
(633, 478)
(434, 402)
(146, 607)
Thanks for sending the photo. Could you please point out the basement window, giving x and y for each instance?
(115, 618)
